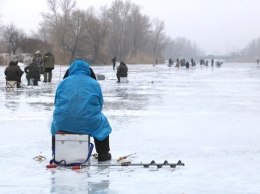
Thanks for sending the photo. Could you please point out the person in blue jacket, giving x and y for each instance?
(78, 108)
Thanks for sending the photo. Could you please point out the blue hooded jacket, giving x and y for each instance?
(78, 104)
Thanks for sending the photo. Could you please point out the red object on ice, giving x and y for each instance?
(76, 167)
(51, 166)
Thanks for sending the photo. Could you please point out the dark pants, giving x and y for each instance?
(18, 84)
(102, 147)
(47, 75)
(35, 80)
(41, 72)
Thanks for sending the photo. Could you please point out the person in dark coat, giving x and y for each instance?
(187, 65)
(212, 62)
(14, 73)
(21, 73)
(48, 66)
(177, 63)
(114, 63)
(121, 71)
(37, 58)
(170, 62)
(32, 71)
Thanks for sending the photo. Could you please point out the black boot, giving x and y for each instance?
(50, 77)
(102, 148)
(45, 77)
(104, 157)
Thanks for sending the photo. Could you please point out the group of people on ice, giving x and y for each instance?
(182, 62)
(39, 65)
(78, 99)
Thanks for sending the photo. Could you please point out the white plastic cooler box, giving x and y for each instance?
(73, 148)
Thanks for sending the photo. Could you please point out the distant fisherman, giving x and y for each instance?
(48, 66)
(212, 62)
(32, 72)
(37, 59)
(122, 71)
(13, 73)
(114, 63)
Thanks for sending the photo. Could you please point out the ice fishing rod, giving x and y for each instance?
(124, 157)
(95, 155)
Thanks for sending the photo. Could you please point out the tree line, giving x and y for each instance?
(252, 49)
(120, 30)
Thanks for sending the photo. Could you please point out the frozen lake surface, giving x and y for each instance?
(206, 117)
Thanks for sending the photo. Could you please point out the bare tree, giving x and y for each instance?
(14, 37)
(125, 44)
(30, 45)
(159, 38)
(51, 20)
(76, 33)
(65, 25)
(131, 33)
(97, 29)
(121, 31)
(115, 27)
(119, 15)
(139, 28)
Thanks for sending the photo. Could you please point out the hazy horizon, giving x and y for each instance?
(216, 26)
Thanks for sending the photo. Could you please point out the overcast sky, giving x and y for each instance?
(217, 26)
